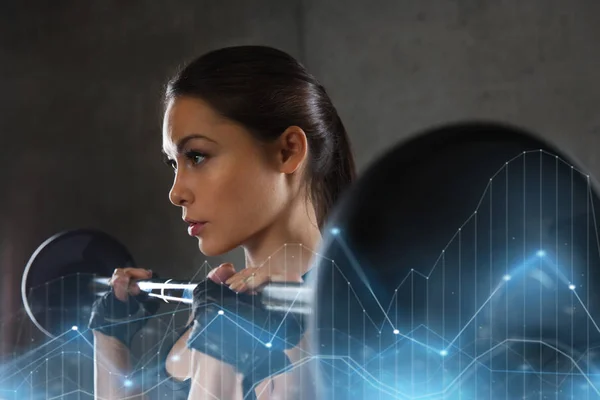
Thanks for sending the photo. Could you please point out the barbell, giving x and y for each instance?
(71, 269)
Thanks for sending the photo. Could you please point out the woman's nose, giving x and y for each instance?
(180, 194)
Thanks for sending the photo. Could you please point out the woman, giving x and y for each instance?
(260, 156)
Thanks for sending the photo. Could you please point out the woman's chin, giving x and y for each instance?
(212, 249)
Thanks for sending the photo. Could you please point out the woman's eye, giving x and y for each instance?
(195, 157)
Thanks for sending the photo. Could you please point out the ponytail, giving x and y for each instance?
(341, 172)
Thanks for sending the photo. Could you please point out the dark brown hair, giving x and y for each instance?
(267, 90)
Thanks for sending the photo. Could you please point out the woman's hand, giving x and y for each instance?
(124, 310)
(251, 279)
(123, 281)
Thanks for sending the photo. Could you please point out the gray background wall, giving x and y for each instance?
(395, 67)
(81, 82)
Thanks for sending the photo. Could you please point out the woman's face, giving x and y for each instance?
(225, 179)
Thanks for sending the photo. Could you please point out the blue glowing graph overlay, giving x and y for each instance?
(508, 309)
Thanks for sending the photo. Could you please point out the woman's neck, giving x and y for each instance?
(289, 244)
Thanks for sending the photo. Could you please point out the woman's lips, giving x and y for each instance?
(195, 228)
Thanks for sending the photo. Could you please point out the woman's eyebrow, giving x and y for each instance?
(181, 144)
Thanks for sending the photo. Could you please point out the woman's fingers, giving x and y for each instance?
(251, 279)
(120, 282)
(248, 279)
(255, 278)
(123, 281)
(222, 273)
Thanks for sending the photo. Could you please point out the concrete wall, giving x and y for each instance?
(396, 67)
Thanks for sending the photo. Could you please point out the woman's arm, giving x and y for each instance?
(300, 381)
(111, 366)
(213, 379)
(111, 356)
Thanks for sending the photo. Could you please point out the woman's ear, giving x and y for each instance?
(292, 149)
